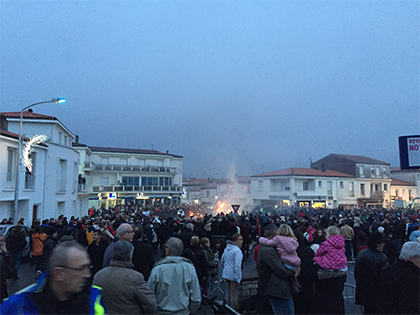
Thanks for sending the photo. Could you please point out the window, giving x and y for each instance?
(60, 135)
(11, 164)
(410, 195)
(384, 172)
(372, 171)
(246, 188)
(378, 171)
(62, 175)
(396, 192)
(351, 189)
(305, 186)
(65, 140)
(361, 171)
(385, 187)
(377, 187)
(362, 189)
(30, 177)
(130, 181)
(260, 185)
(207, 193)
(341, 184)
(320, 184)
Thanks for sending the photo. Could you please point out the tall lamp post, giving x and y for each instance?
(15, 207)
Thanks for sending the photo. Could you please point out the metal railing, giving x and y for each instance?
(349, 295)
(134, 168)
(137, 188)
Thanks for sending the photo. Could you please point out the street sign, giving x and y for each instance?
(235, 207)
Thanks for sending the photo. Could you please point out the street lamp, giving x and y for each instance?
(57, 100)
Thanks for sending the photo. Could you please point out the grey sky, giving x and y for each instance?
(233, 86)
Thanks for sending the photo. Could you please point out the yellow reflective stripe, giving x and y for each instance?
(99, 309)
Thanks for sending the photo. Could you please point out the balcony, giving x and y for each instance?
(133, 168)
(89, 166)
(136, 188)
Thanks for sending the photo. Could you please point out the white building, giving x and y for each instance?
(371, 177)
(115, 176)
(51, 188)
(303, 187)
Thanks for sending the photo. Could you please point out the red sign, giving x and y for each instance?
(235, 207)
(361, 204)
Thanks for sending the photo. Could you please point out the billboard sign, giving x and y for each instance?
(409, 151)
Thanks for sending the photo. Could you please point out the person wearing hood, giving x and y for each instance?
(232, 271)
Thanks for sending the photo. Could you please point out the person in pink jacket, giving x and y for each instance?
(331, 253)
(286, 245)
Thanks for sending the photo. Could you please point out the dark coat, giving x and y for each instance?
(96, 254)
(328, 297)
(16, 241)
(369, 263)
(303, 301)
(400, 288)
(186, 237)
(273, 275)
(49, 245)
(3, 277)
(143, 258)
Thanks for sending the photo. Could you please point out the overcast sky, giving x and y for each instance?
(233, 86)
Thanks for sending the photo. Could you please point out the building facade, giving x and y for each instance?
(115, 176)
(303, 187)
(50, 189)
(372, 178)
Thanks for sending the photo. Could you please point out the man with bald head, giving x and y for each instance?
(125, 232)
(174, 282)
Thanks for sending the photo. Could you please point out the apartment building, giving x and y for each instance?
(50, 189)
(115, 176)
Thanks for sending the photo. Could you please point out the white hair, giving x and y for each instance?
(409, 250)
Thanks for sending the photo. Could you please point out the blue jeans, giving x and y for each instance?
(282, 306)
(16, 257)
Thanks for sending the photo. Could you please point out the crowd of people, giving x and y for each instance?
(105, 261)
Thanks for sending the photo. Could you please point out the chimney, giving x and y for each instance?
(167, 151)
(77, 139)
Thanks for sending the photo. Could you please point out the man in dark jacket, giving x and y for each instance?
(400, 284)
(187, 234)
(273, 276)
(96, 251)
(369, 263)
(143, 257)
